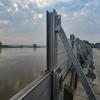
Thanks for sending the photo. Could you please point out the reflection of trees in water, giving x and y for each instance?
(0, 50)
(0, 46)
(10, 88)
(34, 49)
(16, 78)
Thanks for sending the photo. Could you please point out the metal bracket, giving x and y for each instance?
(57, 23)
(58, 82)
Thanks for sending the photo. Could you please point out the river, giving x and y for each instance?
(18, 68)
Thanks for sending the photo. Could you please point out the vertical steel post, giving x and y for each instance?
(50, 32)
(52, 23)
(51, 41)
(51, 46)
(72, 39)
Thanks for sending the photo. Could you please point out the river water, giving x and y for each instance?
(18, 68)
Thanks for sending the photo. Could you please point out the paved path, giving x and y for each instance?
(96, 54)
(97, 61)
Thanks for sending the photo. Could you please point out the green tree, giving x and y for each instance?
(34, 45)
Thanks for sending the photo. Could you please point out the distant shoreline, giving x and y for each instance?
(20, 46)
(98, 48)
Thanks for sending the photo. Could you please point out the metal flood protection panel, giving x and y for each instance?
(60, 57)
(40, 89)
(59, 70)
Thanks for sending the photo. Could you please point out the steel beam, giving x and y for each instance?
(77, 65)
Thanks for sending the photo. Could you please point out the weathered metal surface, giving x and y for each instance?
(38, 90)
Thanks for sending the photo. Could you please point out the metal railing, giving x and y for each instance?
(63, 55)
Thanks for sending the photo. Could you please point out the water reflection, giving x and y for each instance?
(0, 50)
(34, 49)
(19, 67)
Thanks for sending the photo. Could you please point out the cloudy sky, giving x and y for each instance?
(24, 21)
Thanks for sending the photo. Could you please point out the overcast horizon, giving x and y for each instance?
(24, 21)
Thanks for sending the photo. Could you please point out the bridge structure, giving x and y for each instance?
(68, 61)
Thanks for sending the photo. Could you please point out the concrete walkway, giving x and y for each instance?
(97, 66)
(97, 61)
